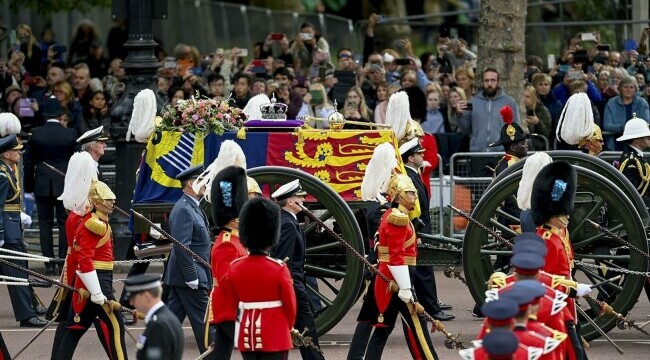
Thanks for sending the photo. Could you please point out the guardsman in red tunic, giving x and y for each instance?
(523, 297)
(93, 248)
(552, 199)
(500, 344)
(228, 194)
(263, 285)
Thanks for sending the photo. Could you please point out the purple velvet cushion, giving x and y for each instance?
(273, 123)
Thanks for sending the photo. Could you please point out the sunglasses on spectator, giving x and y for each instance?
(345, 56)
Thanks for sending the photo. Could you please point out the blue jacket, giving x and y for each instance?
(484, 122)
(561, 93)
(615, 118)
(189, 225)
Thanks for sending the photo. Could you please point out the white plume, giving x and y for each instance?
(398, 113)
(380, 167)
(230, 154)
(142, 123)
(82, 171)
(252, 108)
(9, 124)
(532, 166)
(577, 119)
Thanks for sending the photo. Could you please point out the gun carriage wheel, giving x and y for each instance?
(599, 198)
(339, 273)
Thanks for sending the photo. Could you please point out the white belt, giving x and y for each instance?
(261, 305)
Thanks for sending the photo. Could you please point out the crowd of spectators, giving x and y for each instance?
(303, 71)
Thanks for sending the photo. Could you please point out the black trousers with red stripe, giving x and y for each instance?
(111, 324)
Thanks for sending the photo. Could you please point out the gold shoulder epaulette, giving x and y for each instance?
(277, 261)
(226, 236)
(398, 218)
(558, 335)
(95, 225)
(547, 234)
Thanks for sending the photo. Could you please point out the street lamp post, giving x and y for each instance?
(141, 68)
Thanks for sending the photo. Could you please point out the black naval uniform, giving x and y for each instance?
(11, 234)
(162, 338)
(636, 168)
(292, 245)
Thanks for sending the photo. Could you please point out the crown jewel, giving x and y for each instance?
(274, 110)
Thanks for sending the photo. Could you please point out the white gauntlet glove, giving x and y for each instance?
(405, 295)
(92, 284)
(25, 220)
(582, 290)
(194, 284)
(401, 275)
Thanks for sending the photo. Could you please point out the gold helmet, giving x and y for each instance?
(399, 184)
(100, 193)
(253, 186)
(413, 130)
(497, 280)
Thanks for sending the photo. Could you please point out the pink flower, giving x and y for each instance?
(195, 117)
(219, 116)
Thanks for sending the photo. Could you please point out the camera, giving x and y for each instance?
(402, 61)
(469, 107)
(277, 36)
(60, 49)
(305, 36)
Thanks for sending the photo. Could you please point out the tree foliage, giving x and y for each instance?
(44, 7)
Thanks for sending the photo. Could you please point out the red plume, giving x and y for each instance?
(506, 114)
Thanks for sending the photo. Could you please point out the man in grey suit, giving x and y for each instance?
(189, 282)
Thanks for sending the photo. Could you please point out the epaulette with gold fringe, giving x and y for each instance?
(96, 225)
(398, 218)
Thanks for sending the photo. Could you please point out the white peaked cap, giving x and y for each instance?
(398, 113)
(532, 166)
(9, 124)
(577, 119)
(142, 123)
(252, 108)
(378, 172)
(230, 154)
(82, 171)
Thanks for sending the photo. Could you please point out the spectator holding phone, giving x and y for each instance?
(538, 118)
(63, 92)
(318, 105)
(84, 36)
(283, 52)
(97, 114)
(28, 45)
(309, 49)
(620, 109)
(483, 123)
(465, 79)
(562, 92)
(456, 106)
(355, 108)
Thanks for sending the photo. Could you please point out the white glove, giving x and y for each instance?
(405, 295)
(2, 242)
(426, 164)
(155, 233)
(92, 284)
(98, 299)
(30, 196)
(25, 220)
(582, 290)
(194, 284)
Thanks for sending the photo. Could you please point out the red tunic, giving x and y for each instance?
(531, 338)
(265, 288)
(559, 258)
(430, 146)
(478, 352)
(397, 246)
(225, 250)
(93, 249)
(70, 266)
(560, 350)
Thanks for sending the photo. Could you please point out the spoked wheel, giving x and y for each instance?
(595, 164)
(597, 199)
(339, 273)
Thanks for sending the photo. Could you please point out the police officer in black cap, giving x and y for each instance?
(189, 281)
(163, 336)
(11, 231)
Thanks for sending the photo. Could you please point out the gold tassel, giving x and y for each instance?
(241, 133)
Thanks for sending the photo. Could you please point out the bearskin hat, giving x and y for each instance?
(259, 224)
(229, 192)
(554, 191)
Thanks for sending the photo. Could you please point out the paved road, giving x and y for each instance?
(335, 343)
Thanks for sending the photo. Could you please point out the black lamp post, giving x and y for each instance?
(141, 68)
